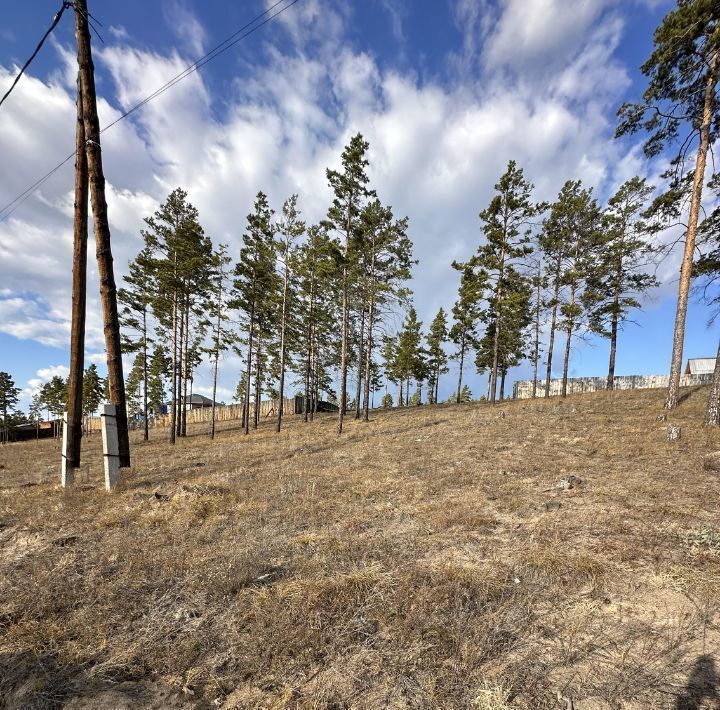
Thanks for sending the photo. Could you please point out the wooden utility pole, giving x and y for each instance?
(79, 290)
(108, 291)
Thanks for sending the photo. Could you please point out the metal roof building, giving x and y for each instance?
(700, 366)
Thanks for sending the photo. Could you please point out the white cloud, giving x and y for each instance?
(436, 150)
(185, 26)
(540, 33)
(43, 375)
(119, 33)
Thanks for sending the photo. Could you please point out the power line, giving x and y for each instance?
(54, 24)
(237, 36)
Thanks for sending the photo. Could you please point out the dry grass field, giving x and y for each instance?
(425, 560)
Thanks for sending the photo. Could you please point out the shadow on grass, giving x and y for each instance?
(702, 685)
(690, 392)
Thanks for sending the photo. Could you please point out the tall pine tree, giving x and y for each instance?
(619, 277)
(679, 107)
(350, 191)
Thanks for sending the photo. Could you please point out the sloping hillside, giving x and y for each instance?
(429, 559)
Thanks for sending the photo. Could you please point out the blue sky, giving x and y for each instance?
(446, 91)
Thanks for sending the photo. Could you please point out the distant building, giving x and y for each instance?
(700, 366)
(37, 430)
(197, 401)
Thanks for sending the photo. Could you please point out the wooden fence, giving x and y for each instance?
(223, 413)
(230, 412)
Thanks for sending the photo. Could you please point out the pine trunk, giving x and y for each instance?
(306, 405)
(673, 392)
(343, 356)
(248, 379)
(146, 426)
(106, 276)
(345, 315)
(311, 309)
(316, 380)
(173, 387)
(462, 363)
(566, 361)
(258, 378)
(248, 373)
(498, 325)
(218, 332)
(186, 371)
(712, 415)
(361, 359)
(613, 349)
(536, 350)
(553, 324)
(180, 404)
(368, 358)
(281, 388)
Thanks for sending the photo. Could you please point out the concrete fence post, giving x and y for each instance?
(67, 473)
(111, 450)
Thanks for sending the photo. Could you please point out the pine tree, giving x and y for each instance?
(707, 269)
(350, 191)
(385, 255)
(618, 279)
(409, 358)
(506, 225)
(159, 371)
(388, 353)
(538, 282)
(53, 395)
(569, 242)
(316, 266)
(222, 337)
(466, 313)
(437, 357)
(679, 104)
(511, 346)
(134, 387)
(254, 289)
(135, 301)
(35, 411)
(8, 399)
(239, 395)
(582, 222)
(92, 391)
(290, 229)
(182, 264)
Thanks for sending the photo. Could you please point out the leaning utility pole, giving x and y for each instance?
(77, 328)
(108, 295)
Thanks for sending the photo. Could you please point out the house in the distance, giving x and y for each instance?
(700, 366)
(196, 401)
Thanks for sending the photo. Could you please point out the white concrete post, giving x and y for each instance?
(67, 473)
(111, 451)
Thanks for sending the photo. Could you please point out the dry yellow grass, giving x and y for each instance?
(411, 563)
